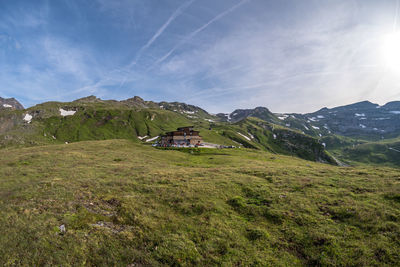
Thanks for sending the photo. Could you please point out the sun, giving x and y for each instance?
(391, 51)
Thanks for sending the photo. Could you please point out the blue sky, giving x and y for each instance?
(287, 55)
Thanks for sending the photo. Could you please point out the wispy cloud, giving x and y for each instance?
(194, 33)
(161, 30)
(286, 55)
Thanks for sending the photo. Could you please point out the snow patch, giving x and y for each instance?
(28, 118)
(283, 117)
(320, 117)
(189, 112)
(324, 145)
(363, 126)
(315, 127)
(313, 119)
(152, 139)
(142, 137)
(7, 106)
(275, 136)
(209, 120)
(395, 112)
(359, 114)
(391, 148)
(306, 128)
(65, 113)
(246, 137)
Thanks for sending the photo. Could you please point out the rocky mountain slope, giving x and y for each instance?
(363, 120)
(240, 114)
(10, 103)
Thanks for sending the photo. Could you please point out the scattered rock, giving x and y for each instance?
(63, 230)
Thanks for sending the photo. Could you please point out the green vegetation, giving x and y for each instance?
(124, 203)
(384, 153)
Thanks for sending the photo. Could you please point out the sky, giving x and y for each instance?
(286, 55)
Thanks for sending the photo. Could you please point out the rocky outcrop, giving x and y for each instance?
(138, 102)
(88, 99)
(241, 114)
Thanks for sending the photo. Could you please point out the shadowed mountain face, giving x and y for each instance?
(10, 103)
(363, 120)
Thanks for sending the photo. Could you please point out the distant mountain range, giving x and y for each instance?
(363, 120)
(341, 130)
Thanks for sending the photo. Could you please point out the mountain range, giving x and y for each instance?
(354, 134)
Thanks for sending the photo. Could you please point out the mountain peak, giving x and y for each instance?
(392, 105)
(10, 103)
(136, 101)
(88, 99)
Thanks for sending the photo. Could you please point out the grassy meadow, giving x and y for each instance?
(128, 204)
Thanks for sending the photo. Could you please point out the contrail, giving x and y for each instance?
(396, 17)
(190, 36)
(161, 30)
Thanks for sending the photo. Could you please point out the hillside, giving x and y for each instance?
(117, 202)
(91, 118)
(349, 133)
(385, 153)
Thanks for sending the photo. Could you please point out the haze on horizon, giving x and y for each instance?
(289, 56)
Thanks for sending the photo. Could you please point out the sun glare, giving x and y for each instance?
(391, 51)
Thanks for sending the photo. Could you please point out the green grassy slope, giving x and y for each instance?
(97, 119)
(124, 203)
(373, 153)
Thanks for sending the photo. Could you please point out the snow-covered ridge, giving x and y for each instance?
(67, 112)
